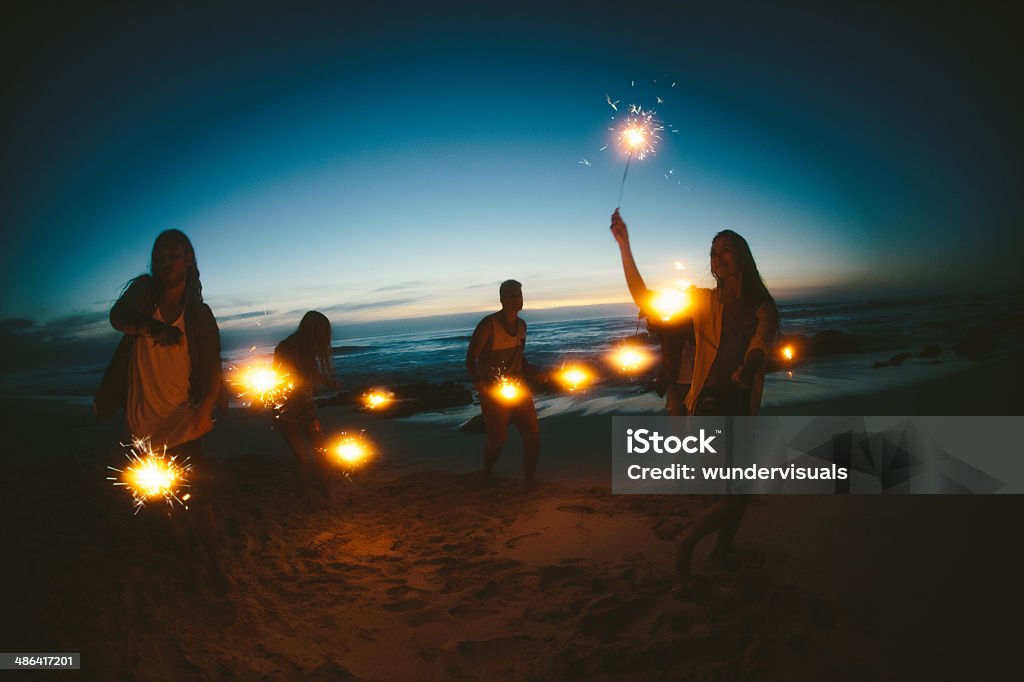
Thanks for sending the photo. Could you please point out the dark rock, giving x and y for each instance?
(474, 425)
(409, 398)
(894, 361)
(1009, 322)
(975, 343)
(834, 342)
(899, 358)
(930, 352)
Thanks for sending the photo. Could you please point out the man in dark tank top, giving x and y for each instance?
(498, 369)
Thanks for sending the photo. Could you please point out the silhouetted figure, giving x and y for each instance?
(306, 357)
(735, 325)
(166, 373)
(496, 355)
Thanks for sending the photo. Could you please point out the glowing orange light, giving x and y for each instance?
(508, 391)
(152, 475)
(378, 399)
(259, 382)
(669, 303)
(787, 352)
(574, 377)
(350, 451)
(629, 359)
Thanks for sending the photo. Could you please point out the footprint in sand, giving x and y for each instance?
(516, 541)
(577, 508)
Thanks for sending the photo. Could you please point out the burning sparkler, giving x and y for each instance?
(259, 382)
(787, 352)
(630, 359)
(638, 136)
(378, 399)
(350, 451)
(508, 391)
(669, 303)
(574, 377)
(152, 475)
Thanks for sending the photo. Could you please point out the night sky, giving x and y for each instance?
(401, 161)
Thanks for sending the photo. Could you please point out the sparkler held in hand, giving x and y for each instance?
(638, 136)
(153, 475)
(495, 359)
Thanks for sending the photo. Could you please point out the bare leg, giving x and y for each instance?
(711, 519)
(531, 453)
(496, 418)
(736, 507)
(495, 442)
(316, 440)
(292, 435)
(206, 529)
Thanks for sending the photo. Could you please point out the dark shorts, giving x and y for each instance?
(299, 411)
(498, 415)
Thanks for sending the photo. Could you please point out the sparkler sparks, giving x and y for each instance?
(350, 451)
(574, 377)
(630, 359)
(508, 391)
(639, 134)
(261, 383)
(669, 303)
(378, 399)
(152, 475)
(787, 352)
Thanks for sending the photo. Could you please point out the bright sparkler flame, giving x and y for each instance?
(508, 391)
(639, 132)
(350, 451)
(261, 383)
(574, 377)
(787, 352)
(669, 303)
(377, 399)
(152, 475)
(630, 359)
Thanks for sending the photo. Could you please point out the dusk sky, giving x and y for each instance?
(402, 161)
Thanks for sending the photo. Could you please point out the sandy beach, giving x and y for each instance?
(418, 570)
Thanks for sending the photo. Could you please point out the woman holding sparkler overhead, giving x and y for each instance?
(735, 325)
(306, 357)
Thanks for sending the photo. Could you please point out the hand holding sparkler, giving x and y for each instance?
(619, 231)
(164, 334)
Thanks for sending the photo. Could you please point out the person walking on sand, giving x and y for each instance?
(735, 326)
(166, 374)
(306, 357)
(496, 358)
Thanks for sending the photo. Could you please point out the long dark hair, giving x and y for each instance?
(754, 289)
(193, 285)
(310, 347)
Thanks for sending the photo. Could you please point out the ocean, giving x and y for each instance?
(873, 331)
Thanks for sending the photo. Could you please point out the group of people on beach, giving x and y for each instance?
(166, 372)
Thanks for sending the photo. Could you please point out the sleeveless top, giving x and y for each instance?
(504, 355)
(158, 403)
(732, 349)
